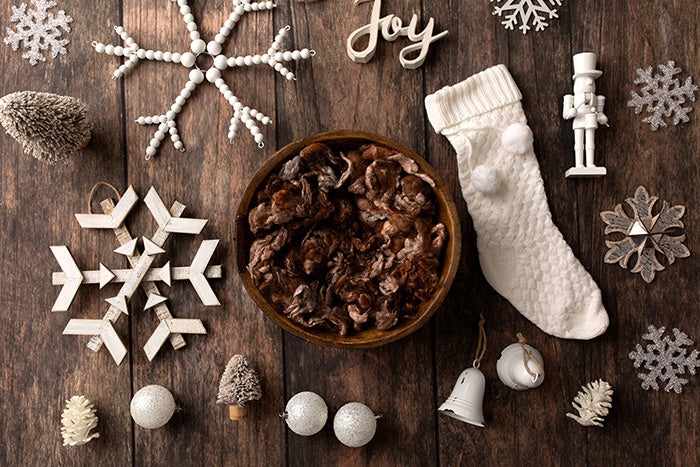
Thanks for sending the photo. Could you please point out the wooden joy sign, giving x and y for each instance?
(392, 27)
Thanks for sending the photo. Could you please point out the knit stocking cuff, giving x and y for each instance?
(481, 93)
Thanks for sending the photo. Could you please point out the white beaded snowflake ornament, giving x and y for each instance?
(274, 57)
(38, 30)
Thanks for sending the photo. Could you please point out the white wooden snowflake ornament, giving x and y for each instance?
(141, 274)
(38, 30)
(274, 57)
(527, 12)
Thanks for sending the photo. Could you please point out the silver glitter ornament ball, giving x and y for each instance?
(306, 413)
(355, 424)
(152, 406)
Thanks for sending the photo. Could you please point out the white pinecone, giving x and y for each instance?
(78, 419)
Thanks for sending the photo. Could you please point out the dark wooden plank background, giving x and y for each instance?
(407, 380)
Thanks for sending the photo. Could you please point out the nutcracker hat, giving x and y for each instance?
(584, 65)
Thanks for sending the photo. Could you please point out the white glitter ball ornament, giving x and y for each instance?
(355, 424)
(152, 406)
(306, 413)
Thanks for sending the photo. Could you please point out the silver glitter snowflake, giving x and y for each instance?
(199, 72)
(38, 30)
(665, 359)
(663, 95)
(526, 11)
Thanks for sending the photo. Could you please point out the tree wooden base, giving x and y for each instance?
(236, 412)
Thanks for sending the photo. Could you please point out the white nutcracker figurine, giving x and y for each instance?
(587, 111)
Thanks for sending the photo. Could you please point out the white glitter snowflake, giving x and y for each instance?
(200, 72)
(38, 30)
(665, 359)
(527, 11)
(662, 95)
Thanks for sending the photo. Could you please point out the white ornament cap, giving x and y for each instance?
(584, 65)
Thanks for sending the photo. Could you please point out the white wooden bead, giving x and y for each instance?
(290, 76)
(167, 57)
(187, 59)
(174, 138)
(227, 95)
(188, 17)
(255, 131)
(265, 58)
(130, 41)
(109, 49)
(240, 61)
(191, 27)
(178, 145)
(221, 84)
(248, 60)
(279, 56)
(266, 121)
(150, 151)
(176, 108)
(214, 47)
(229, 24)
(237, 106)
(194, 35)
(296, 55)
(163, 118)
(149, 120)
(172, 124)
(163, 127)
(155, 143)
(213, 74)
(250, 123)
(269, 5)
(172, 131)
(158, 55)
(176, 57)
(159, 135)
(150, 54)
(196, 76)
(287, 56)
(259, 138)
(190, 86)
(128, 52)
(119, 30)
(141, 120)
(184, 9)
(220, 62)
(181, 3)
(119, 51)
(254, 112)
(231, 62)
(305, 53)
(198, 46)
(99, 48)
(179, 100)
(239, 10)
(278, 66)
(221, 37)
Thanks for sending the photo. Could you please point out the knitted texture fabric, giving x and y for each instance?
(522, 253)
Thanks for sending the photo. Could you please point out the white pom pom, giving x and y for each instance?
(486, 179)
(517, 138)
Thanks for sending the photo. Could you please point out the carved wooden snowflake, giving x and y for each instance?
(645, 234)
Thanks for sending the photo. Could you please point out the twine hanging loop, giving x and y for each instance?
(526, 355)
(481, 345)
(94, 189)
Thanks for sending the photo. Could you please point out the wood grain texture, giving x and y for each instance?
(405, 380)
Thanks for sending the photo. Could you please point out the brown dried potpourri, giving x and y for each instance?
(346, 241)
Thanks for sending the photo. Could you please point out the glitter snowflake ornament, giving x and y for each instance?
(274, 58)
(38, 30)
(665, 359)
(663, 96)
(527, 12)
(645, 234)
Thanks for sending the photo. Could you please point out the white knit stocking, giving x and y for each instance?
(522, 253)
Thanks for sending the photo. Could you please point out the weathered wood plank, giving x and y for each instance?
(41, 368)
(380, 96)
(209, 178)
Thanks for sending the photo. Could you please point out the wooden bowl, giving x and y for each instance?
(447, 214)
